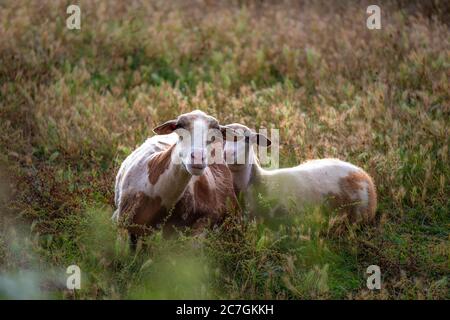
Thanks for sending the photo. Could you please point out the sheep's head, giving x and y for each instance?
(239, 152)
(197, 133)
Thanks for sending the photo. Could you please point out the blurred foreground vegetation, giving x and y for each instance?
(74, 104)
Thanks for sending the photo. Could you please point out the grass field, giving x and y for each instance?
(75, 103)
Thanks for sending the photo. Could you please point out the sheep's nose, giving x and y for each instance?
(197, 157)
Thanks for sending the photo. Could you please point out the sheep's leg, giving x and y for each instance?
(133, 241)
(115, 216)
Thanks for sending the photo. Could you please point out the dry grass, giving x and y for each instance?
(73, 104)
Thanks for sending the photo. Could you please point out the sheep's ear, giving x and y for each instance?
(228, 133)
(166, 128)
(261, 140)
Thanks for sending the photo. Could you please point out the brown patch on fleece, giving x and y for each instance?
(141, 213)
(372, 206)
(348, 202)
(224, 193)
(158, 164)
(203, 192)
(207, 203)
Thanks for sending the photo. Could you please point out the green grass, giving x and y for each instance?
(74, 104)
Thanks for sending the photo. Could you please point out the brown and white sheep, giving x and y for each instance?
(169, 181)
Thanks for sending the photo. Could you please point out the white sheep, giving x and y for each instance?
(338, 184)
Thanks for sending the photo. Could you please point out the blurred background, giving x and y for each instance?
(75, 103)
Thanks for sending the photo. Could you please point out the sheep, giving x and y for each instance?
(167, 182)
(340, 185)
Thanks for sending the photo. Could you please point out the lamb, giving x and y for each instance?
(167, 182)
(340, 185)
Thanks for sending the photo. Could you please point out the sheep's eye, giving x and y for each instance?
(180, 138)
(211, 140)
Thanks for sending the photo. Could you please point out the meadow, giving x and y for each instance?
(75, 103)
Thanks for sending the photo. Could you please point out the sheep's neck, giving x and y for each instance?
(242, 178)
(174, 179)
(250, 174)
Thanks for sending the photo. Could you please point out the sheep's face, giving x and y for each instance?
(198, 133)
(239, 153)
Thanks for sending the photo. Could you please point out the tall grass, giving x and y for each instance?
(75, 103)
